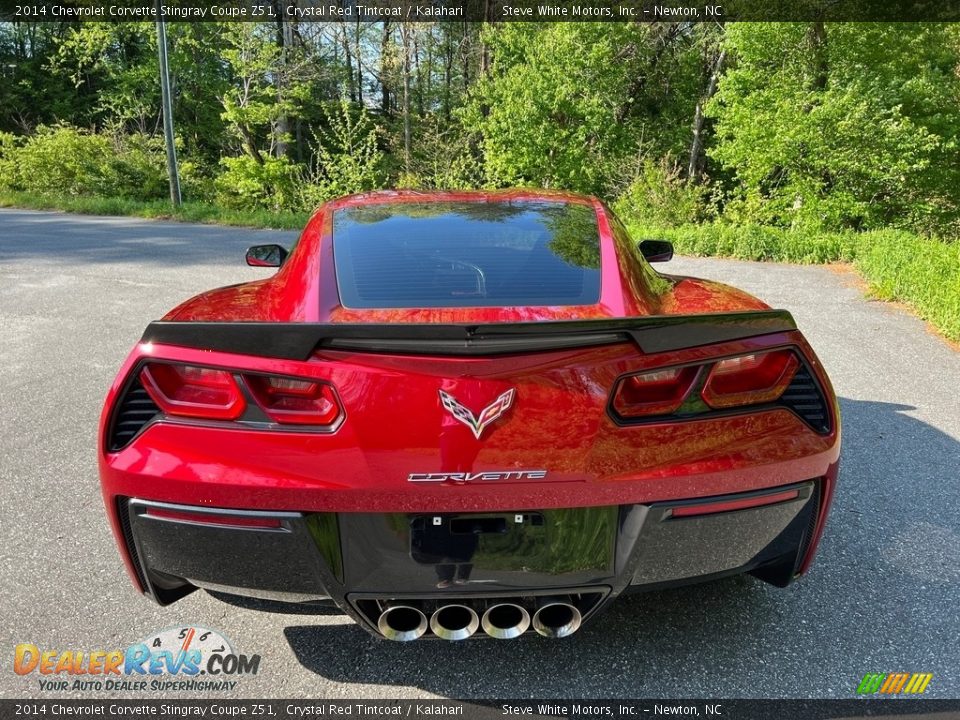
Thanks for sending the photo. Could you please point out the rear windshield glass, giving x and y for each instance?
(467, 254)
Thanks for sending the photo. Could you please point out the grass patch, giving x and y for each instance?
(921, 272)
(157, 210)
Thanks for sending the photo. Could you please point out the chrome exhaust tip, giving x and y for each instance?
(402, 623)
(505, 621)
(454, 622)
(556, 619)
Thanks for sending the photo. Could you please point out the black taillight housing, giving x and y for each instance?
(768, 378)
(185, 392)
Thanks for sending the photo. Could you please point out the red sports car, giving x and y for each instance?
(467, 414)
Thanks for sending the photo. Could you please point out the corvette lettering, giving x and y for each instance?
(485, 476)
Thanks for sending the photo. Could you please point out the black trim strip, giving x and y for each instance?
(296, 341)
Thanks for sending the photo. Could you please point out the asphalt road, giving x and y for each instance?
(884, 594)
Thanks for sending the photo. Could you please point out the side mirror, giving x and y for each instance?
(266, 255)
(656, 250)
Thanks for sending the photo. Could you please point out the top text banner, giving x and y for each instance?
(302, 11)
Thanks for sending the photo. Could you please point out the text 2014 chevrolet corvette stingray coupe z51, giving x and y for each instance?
(467, 414)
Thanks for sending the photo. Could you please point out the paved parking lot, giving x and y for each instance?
(884, 595)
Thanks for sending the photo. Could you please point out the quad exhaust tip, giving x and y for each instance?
(402, 623)
(505, 621)
(454, 622)
(556, 618)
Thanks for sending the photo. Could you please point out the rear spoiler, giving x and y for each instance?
(297, 341)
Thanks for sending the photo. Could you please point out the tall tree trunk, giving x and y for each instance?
(250, 143)
(284, 41)
(484, 48)
(447, 77)
(695, 166)
(356, 52)
(385, 68)
(418, 70)
(405, 29)
(348, 59)
(818, 43)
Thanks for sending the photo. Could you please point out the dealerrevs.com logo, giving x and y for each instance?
(190, 658)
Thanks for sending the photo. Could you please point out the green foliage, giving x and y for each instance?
(660, 196)
(897, 264)
(135, 169)
(755, 242)
(68, 161)
(120, 61)
(250, 103)
(271, 183)
(548, 112)
(346, 157)
(840, 126)
(446, 159)
(9, 175)
(922, 272)
(64, 160)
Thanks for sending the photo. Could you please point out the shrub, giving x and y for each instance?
(445, 158)
(63, 160)
(136, 170)
(921, 271)
(9, 179)
(246, 183)
(898, 265)
(346, 157)
(196, 182)
(659, 196)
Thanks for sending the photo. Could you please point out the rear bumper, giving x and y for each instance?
(361, 559)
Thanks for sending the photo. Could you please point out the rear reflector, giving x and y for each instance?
(249, 521)
(192, 391)
(720, 506)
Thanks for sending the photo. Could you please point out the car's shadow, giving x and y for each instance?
(890, 559)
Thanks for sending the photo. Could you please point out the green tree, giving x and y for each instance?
(346, 156)
(840, 125)
(572, 104)
(118, 62)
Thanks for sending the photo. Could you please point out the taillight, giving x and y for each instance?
(295, 401)
(657, 392)
(750, 379)
(192, 391)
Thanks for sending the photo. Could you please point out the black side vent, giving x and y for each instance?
(123, 512)
(805, 398)
(134, 410)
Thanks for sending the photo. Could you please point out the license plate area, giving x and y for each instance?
(485, 551)
(460, 538)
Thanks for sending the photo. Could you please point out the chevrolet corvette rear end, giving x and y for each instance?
(470, 414)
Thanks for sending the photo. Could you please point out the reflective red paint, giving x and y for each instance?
(397, 427)
(395, 424)
(304, 289)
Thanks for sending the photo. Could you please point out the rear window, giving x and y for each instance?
(468, 254)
